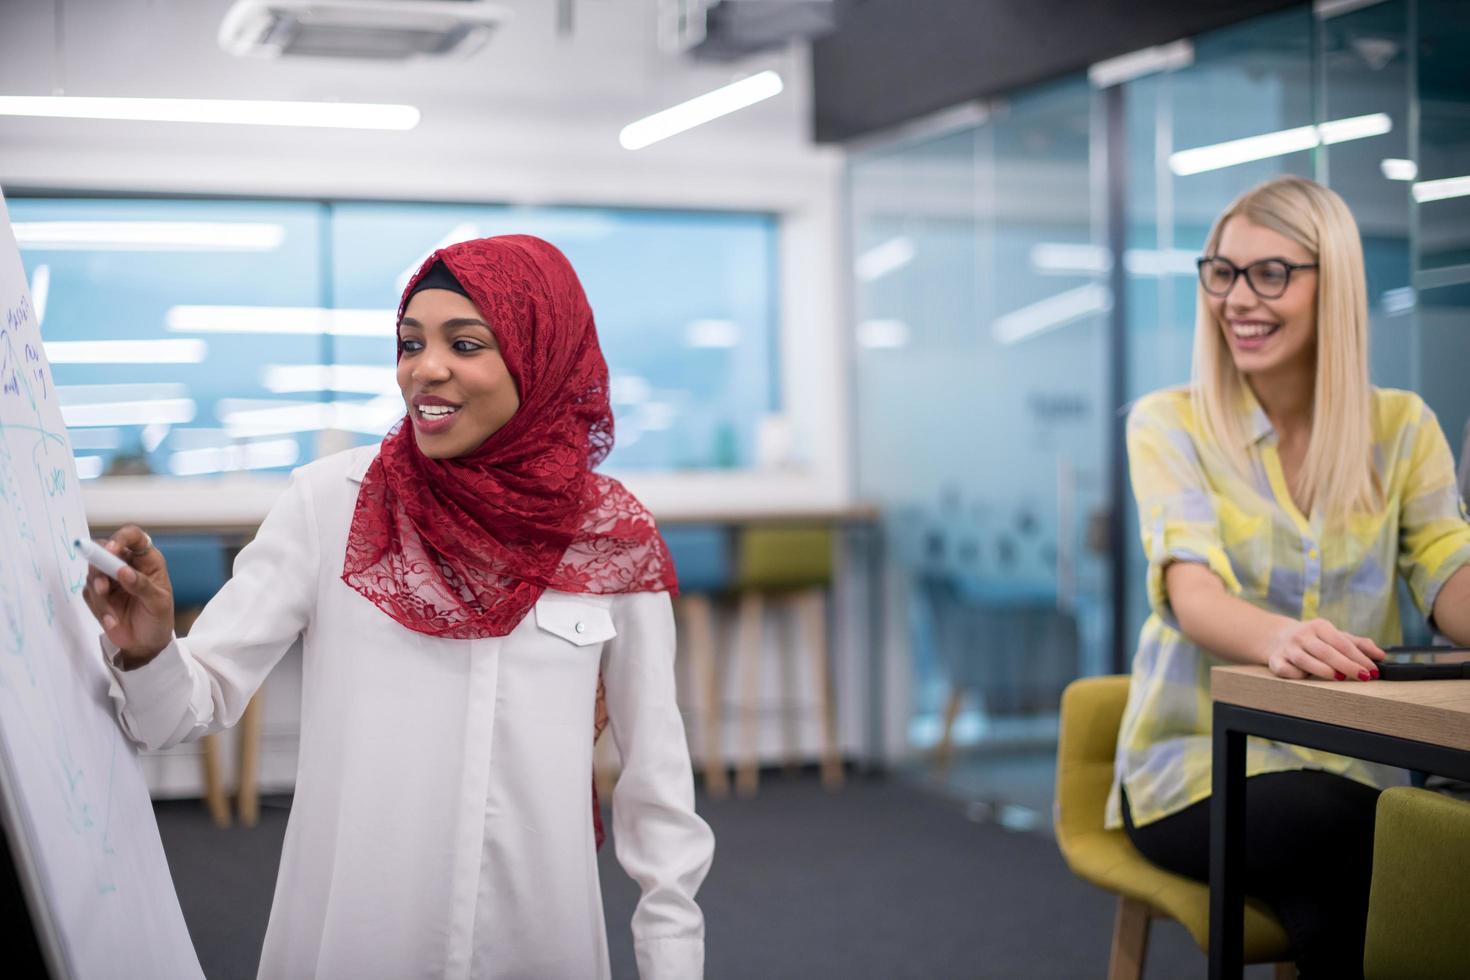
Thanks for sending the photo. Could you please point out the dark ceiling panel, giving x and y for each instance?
(891, 61)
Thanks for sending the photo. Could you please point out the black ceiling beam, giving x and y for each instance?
(892, 61)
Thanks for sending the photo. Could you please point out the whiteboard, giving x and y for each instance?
(85, 842)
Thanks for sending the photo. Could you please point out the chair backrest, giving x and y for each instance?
(784, 557)
(701, 554)
(1421, 887)
(1092, 709)
(1008, 639)
(196, 566)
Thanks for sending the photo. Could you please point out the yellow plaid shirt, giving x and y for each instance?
(1193, 506)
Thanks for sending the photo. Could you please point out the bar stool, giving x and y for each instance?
(701, 556)
(791, 567)
(198, 568)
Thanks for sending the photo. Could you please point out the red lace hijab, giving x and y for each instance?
(464, 547)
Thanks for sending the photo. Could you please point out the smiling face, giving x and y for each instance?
(1267, 335)
(455, 384)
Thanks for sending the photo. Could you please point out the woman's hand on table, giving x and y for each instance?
(1316, 648)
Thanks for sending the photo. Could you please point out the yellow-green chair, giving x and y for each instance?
(789, 566)
(1092, 709)
(1419, 907)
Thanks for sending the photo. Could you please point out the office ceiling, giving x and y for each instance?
(560, 77)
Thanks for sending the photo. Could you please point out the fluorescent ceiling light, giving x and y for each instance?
(1218, 155)
(351, 378)
(1437, 190)
(1160, 262)
(1137, 64)
(1399, 169)
(1228, 154)
(883, 334)
(1050, 313)
(88, 467)
(1355, 128)
(712, 333)
(880, 260)
(281, 319)
(93, 394)
(1401, 300)
(700, 110)
(1070, 258)
(126, 351)
(1325, 9)
(40, 290)
(1076, 259)
(245, 456)
(248, 112)
(169, 411)
(244, 417)
(148, 236)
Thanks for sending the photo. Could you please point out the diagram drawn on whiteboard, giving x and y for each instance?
(31, 450)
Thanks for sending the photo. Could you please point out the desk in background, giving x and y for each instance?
(859, 628)
(1422, 725)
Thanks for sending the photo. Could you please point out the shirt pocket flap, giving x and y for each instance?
(579, 621)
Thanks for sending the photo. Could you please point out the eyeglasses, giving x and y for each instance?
(1267, 278)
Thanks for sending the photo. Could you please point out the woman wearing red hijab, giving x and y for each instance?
(463, 591)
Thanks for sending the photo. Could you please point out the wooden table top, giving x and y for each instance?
(1437, 712)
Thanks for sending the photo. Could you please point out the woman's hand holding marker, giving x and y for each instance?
(135, 605)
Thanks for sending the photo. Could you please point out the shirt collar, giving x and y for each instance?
(360, 464)
(1257, 424)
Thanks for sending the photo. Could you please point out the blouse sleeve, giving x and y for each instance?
(1434, 538)
(1175, 515)
(202, 683)
(661, 842)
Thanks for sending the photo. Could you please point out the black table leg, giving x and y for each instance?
(1227, 849)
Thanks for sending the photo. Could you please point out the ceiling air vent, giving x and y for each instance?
(382, 30)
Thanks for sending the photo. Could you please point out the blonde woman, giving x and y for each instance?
(1279, 496)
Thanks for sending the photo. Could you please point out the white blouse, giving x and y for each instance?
(442, 822)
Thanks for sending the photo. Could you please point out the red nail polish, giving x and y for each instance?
(1374, 672)
(1339, 675)
(1363, 676)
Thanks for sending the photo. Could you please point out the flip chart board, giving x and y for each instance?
(75, 807)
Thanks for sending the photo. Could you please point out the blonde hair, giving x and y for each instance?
(1338, 475)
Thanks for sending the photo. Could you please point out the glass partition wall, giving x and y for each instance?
(986, 414)
(982, 407)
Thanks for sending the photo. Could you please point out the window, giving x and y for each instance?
(192, 337)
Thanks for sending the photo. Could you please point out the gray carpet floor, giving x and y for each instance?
(884, 880)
